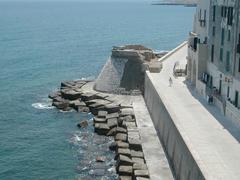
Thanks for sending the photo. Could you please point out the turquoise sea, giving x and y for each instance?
(44, 43)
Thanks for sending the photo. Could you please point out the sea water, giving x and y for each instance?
(44, 43)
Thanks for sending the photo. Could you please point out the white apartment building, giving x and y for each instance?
(214, 55)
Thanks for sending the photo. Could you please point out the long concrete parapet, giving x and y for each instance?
(197, 145)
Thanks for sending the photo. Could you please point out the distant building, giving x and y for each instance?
(214, 54)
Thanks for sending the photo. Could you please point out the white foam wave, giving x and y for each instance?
(42, 105)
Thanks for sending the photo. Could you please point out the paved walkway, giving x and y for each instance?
(215, 150)
(153, 151)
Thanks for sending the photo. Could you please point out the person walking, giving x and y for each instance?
(170, 81)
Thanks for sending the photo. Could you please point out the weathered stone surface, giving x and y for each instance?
(100, 159)
(137, 154)
(138, 160)
(141, 173)
(101, 128)
(141, 178)
(112, 108)
(112, 132)
(121, 144)
(139, 166)
(102, 114)
(99, 120)
(121, 130)
(112, 115)
(63, 105)
(127, 112)
(124, 160)
(121, 137)
(98, 101)
(125, 170)
(70, 94)
(83, 124)
(124, 151)
(128, 119)
(88, 96)
(58, 99)
(135, 144)
(112, 122)
(125, 178)
(133, 135)
(130, 124)
(76, 103)
(83, 109)
(54, 94)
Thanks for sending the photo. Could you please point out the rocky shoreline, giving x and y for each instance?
(111, 118)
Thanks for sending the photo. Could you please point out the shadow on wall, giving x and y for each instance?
(225, 122)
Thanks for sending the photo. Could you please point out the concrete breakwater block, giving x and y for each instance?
(139, 166)
(70, 94)
(124, 151)
(124, 160)
(121, 137)
(141, 173)
(125, 170)
(125, 178)
(101, 128)
(102, 114)
(110, 119)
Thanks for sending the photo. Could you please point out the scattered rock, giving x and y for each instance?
(138, 154)
(125, 178)
(121, 130)
(54, 95)
(63, 105)
(112, 132)
(135, 144)
(100, 159)
(121, 144)
(124, 160)
(125, 170)
(112, 115)
(101, 128)
(113, 122)
(112, 108)
(127, 112)
(141, 173)
(83, 124)
(83, 109)
(121, 137)
(70, 94)
(138, 160)
(124, 151)
(99, 120)
(139, 166)
(141, 178)
(102, 114)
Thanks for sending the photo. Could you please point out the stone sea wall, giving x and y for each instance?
(111, 118)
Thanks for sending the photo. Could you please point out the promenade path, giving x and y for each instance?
(215, 150)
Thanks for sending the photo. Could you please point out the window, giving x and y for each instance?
(212, 53)
(214, 13)
(221, 54)
(222, 39)
(229, 35)
(228, 61)
(228, 91)
(213, 31)
(230, 16)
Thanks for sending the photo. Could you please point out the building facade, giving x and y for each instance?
(214, 55)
